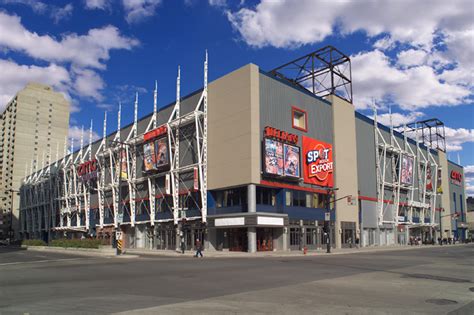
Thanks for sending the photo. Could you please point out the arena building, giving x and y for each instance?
(254, 161)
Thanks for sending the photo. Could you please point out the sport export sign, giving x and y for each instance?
(318, 162)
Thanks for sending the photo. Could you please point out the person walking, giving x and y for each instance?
(183, 247)
(198, 248)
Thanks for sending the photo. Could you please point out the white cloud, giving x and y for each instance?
(57, 13)
(90, 50)
(375, 76)
(456, 137)
(411, 57)
(139, 10)
(434, 67)
(74, 59)
(75, 133)
(218, 3)
(88, 83)
(399, 119)
(283, 24)
(14, 77)
(469, 179)
(97, 4)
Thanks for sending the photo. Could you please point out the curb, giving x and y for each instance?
(295, 254)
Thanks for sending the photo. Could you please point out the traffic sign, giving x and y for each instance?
(327, 216)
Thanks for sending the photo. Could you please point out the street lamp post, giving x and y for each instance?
(327, 218)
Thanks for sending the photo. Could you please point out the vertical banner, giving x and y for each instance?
(124, 165)
(161, 151)
(318, 162)
(429, 177)
(292, 161)
(407, 170)
(167, 184)
(196, 179)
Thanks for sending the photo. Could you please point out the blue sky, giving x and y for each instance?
(98, 52)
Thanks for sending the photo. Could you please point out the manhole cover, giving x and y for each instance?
(471, 289)
(441, 301)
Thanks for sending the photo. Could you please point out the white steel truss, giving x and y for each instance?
(389, 155)
(69, 197)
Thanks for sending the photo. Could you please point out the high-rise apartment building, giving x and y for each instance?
(33, 126)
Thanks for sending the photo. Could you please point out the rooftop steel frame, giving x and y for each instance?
(323, 72)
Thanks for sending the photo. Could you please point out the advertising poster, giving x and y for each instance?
(429, 178)
(407, 170)
(161, 149)
(318, 162)
(292, 161)
(273, 157)
(123, 168)
(149, 157)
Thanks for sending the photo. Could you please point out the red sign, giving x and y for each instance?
(87, 167)
(270, 132)
(155, 133)
(456, 178)
(318, 163)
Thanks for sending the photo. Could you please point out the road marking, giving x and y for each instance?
(38, 261)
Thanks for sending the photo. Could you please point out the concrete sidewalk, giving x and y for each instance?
(319, 252)
(130, 253)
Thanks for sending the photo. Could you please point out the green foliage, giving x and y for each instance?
(33, 243)
(76, 243)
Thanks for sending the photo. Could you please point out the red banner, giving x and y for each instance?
(318, 162)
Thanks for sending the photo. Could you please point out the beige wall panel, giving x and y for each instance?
(233, 118)
(445, 202)
(345, 162)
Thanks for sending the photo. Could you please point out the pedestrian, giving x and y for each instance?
(198, 248)
(182, 245)
(357, 242)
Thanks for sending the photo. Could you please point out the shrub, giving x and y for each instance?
(76, 243)
(33, 243)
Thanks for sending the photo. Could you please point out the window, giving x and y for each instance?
(299, 119)
(230, 197)
(288, 197)
(266, 196)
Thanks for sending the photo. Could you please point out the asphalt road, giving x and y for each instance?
(436, 280)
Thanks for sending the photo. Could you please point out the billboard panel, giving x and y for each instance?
(161, 150)
(292, 161)
(318, 162)
(407, 170)
(273, 157)
(149, 157)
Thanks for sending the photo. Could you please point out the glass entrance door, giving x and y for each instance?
(295, 238)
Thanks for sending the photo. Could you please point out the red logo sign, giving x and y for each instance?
(284, 136)
(456, 178)
(155, 133)
(318, 164)
(87, 170)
